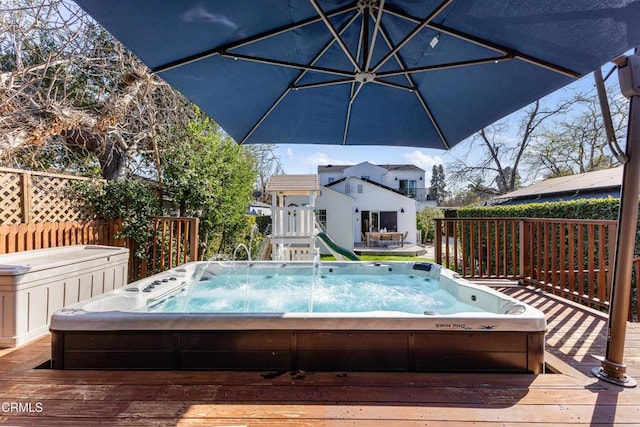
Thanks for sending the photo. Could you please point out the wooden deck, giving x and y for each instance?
(571, 398)
(409, 249)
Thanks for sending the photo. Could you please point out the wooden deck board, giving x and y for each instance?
(225, 398)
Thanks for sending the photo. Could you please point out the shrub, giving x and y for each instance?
(129, 199)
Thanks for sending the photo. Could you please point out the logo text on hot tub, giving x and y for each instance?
(451, 326)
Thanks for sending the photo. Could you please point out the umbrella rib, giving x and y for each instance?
(347, 122)
(363, 47)
(363, 44)
(494, 59)
(507, 51)
(322, 84)
(302, 73)
(244, 42)
(487, 44)
(278, 63)
(335, 34)
(393, 85)
(412, 34)
(421, 99)
(376, 29)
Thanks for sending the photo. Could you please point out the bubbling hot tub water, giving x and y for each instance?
(349, 316)
(242, 292)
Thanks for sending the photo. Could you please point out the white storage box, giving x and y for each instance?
(34, 284)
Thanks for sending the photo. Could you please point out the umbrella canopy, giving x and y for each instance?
(368, 72)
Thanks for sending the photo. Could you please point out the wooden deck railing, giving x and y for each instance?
(25, 237)
(175, 240)
(570, 258)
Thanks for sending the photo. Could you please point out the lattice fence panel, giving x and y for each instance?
(37, 197)
(10, 198)
(50, 201)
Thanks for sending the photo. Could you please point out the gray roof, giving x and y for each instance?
(293, 183)
(581, 183)
(389, 167)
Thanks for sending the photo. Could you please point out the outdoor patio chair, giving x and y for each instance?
(387, 240)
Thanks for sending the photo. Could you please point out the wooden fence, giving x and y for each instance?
(39, 197)
(174, 241)
(25, 237)
(570, 258)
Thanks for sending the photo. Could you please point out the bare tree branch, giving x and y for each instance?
(65, 81)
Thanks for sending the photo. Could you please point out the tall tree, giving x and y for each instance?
(267, 164)
(438, 191)
(493, 162)
(576, 142)
(210, 177)
(70, 92)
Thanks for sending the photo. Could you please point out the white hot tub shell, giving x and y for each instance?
(34, 284)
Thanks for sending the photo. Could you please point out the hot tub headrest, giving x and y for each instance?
(423, 266)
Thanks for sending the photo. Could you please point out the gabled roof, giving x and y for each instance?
(293, 183)
(389, 167)
(257, 203)
(595, 184)
(377, 184)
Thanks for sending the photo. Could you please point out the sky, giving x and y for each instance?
(304, 159)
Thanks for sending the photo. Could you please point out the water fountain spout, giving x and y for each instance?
(241, 246)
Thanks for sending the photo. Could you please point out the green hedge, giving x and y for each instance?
(572, 209)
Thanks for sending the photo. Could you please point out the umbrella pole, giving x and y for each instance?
(612, 368)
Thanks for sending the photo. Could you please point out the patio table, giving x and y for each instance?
(380, 236)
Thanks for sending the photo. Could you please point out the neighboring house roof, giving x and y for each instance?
(293, 183)
(597, 184)
(389, 167)
(259, 204)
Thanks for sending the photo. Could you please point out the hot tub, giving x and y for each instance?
(227, 315)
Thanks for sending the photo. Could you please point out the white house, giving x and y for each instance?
(259, 208)
(347, 202)
(383, 196)
(374, 207)
(408, 180)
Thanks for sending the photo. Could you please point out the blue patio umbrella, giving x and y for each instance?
(372, 72)
(368, 72)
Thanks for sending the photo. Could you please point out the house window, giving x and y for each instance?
(389, 220)
(408, 187)
(331, 179)
(360, 188)
(365, 177)
(321, 216)
(347, 188)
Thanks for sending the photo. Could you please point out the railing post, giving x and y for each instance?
(525, 238)
(193, 239)
(438, 243)
(26, 189)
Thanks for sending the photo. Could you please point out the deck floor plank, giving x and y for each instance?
(571, 398)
